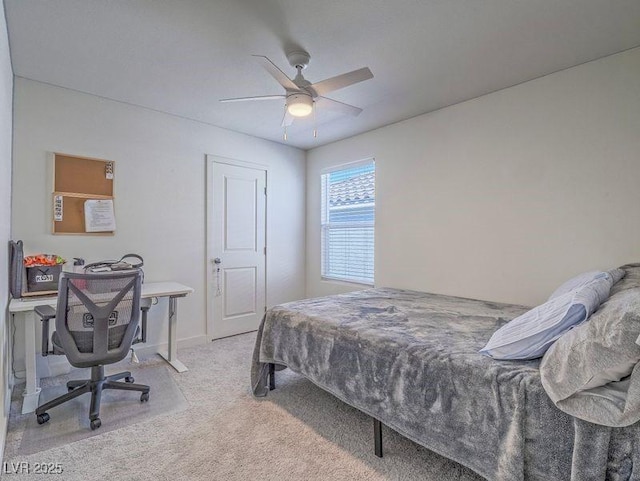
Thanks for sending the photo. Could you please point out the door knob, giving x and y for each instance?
(217, 260)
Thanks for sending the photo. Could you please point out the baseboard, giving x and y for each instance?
(144, 349)
(4, 424)
(7, 400)
(4, 421)
(51, 366)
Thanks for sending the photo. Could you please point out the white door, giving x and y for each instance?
(236, 248)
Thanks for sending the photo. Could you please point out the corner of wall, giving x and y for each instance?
(304, 231)
(6, 134)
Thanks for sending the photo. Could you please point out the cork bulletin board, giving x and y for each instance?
(83, 195)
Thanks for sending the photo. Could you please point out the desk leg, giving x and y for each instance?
(172, 349)
(31, 395)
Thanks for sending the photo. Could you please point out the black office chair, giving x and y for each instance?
(96, 321)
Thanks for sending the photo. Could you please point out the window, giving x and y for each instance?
(348, 214)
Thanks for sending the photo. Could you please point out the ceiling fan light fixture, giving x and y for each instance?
(303, 98)
(299, 105)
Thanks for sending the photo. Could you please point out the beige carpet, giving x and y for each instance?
(298, 432)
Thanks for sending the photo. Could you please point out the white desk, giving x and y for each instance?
(24, 308)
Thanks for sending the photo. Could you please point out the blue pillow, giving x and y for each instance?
(530, 335)
(616, 275)
(576, 282)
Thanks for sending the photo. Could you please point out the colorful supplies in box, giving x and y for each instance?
(43, 272)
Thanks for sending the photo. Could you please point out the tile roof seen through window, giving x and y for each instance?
(359, 189)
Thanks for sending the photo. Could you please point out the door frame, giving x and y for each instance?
(211, 160)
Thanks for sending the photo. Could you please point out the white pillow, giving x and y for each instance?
(530, 335)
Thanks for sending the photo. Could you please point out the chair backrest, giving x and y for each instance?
(97, 315)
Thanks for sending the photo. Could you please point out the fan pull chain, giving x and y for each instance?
(315, 124)
(285, 133)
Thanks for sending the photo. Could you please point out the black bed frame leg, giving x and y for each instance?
(272, 376)
(377, 437)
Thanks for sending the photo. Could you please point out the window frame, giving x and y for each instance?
(325, 225)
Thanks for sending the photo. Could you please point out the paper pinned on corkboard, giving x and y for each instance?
(99, 215)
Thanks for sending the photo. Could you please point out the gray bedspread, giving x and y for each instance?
(411, 360)
(593, 371)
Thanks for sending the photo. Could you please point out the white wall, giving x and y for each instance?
(504, 196)
(6, 94)
(160, 187)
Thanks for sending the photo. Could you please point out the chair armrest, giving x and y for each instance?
(46, 313)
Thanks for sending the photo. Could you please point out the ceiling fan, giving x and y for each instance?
(301, 96)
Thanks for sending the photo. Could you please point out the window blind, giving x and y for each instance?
(348, 219)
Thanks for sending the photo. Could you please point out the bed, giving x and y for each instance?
(410, 360)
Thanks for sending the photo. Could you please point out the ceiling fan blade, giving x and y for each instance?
(341, 81)
(330, 104)
(287, 120)
(262, 97)
(276, 73)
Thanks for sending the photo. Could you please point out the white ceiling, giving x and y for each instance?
(182, 56)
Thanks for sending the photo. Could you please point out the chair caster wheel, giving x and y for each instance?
(144, 397)
(129, 379)
(43, 418)
(95, 424)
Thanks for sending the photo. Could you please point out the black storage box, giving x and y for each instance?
(43, 278)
